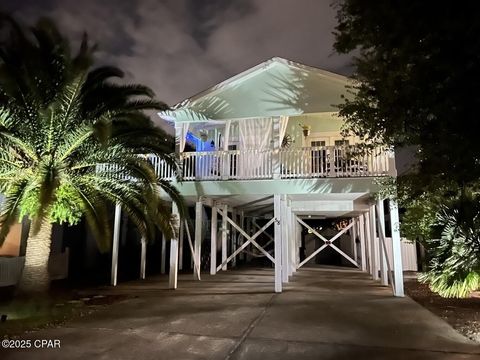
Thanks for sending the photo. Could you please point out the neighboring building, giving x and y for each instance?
(270, 153)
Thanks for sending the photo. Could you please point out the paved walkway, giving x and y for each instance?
(322, 314)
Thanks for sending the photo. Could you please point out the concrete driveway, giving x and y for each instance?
(322, 314)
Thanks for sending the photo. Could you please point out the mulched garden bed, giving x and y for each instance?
(462, 314)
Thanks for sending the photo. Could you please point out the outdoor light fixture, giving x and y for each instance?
(306, 129)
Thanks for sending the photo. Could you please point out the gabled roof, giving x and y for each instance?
(273, 88)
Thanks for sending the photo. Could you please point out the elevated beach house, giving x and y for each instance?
(270, 180)
(267, 169)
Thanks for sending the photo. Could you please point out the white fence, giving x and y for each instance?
(409, 254)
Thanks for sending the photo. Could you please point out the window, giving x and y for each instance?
(317, 143)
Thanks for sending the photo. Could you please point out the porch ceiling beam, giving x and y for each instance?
(249, 204)
(261, 208)
(323, 205)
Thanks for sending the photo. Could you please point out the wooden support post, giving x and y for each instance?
(373, 244)
(180, 244)
(368, 242)
(174, 253)
(363, 250)
(277, 210)
(115, 245)
(224, 235)
(396, 248)
(242, 225)
(284, 226)
(163, 258)
(381, 232)
(298, 235)
(198, 238)
(213, 242)
(381, 235)
(143, 258)
(353, 238)
(233, 238)
(292, 240)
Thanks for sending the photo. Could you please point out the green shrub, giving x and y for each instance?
(454, 266)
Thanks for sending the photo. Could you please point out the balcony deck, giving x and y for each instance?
(296, 163)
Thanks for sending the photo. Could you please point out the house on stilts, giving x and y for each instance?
(268, 173)
(269, 180)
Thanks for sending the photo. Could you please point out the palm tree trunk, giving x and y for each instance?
(35, 277)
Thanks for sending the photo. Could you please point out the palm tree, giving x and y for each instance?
(72, 144)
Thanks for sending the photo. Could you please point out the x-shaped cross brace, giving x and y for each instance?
(250, 239)
(326, 243)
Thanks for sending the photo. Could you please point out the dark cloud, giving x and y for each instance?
(181, 47)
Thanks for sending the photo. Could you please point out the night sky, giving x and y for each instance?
(180, 47)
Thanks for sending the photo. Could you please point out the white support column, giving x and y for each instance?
(381, 231)
(198, 238)
(143, 258)
(353, 239)
(233, 238)
(116, 239)
(277, 210)
(163, 259)
(368, 242)
(292, 240)
(224, 235)
(181, 232)
(373, 244)
(284, 227)
(242, 225)
(213, 242)
(396, 247)
(363, 250)
(174, 253)
(298, 233)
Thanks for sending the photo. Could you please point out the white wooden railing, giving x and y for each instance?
(232, 164)
(333, 161)
(295, 163)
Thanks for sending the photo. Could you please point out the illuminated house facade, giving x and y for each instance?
(268, 177)
(269, 164)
